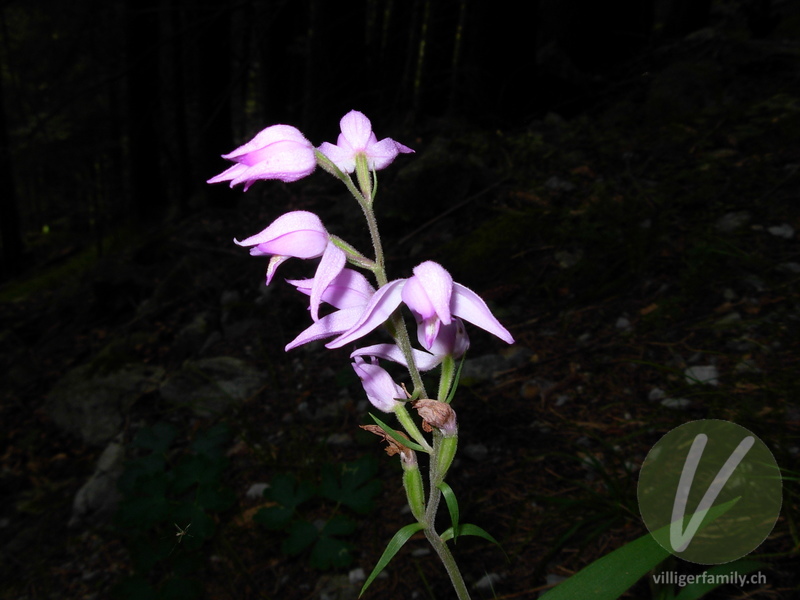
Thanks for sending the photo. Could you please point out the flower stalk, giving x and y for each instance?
(440, 307)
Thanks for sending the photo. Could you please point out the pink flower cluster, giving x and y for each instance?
(439, 305)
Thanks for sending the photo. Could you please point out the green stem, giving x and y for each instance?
(449, 563)
(434, 538)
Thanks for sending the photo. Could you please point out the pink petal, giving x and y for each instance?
(469, 306)
(329, 325)
(356, 128)
(298, 233)
(381, 154)
(343, 158)
(380, 308)
(432, 292)
(423, 360)
(273, 265)
(379, 386)
(331, 264)
(350, 288)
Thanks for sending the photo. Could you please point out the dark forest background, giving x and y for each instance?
(618, 179)
(115, 113)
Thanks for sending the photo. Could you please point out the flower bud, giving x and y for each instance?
(415, 492)
(446, 454)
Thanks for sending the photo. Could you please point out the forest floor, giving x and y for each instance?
(621, 247)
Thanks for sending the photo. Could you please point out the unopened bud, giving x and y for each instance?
(415, 492)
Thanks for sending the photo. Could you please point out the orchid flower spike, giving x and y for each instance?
(277, 152)
(299, 234)
(356, 138)
(434, 299)
(381, 389)
(349, 292)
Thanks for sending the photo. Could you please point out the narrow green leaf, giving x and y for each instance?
(452, 506)
(396, 436)
(610, 576)
(469, 529)
(397, 542)
(456, 379)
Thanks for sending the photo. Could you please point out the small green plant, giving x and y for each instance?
(166, 514)
(350, 486)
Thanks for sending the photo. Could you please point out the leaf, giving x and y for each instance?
(196, 469)
(301, 535)
(339, 525)
(452, 506)
(288, 493)
(469, 529)
(331, 552)
(610, 576)
(215, 497)
(351, 484)
(210, 442)
(157, 438)
(456, 379)
(398, 541)
(396, 436)
(179, 588)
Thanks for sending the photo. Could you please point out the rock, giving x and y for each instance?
(476, 452)
(209, 386)
(93, 405)
(484, 368)
(256, 491)
(557, 184)
(97, 500)
(488, 581)
(783, 230)
(676, 403)
(707, 374)
(732, 221)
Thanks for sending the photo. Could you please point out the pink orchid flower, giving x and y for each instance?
(299, 234)
(451, 341)
(434, 299)
(277, 152)
(356, 138)
(381, 389)
(349, 292)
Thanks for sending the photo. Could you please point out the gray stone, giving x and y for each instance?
(210, 386)
(97, 500)
(93, 404)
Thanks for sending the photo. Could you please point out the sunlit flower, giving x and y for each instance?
(299, 234)
(277, 152)
(434, 299)
(356, 138)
